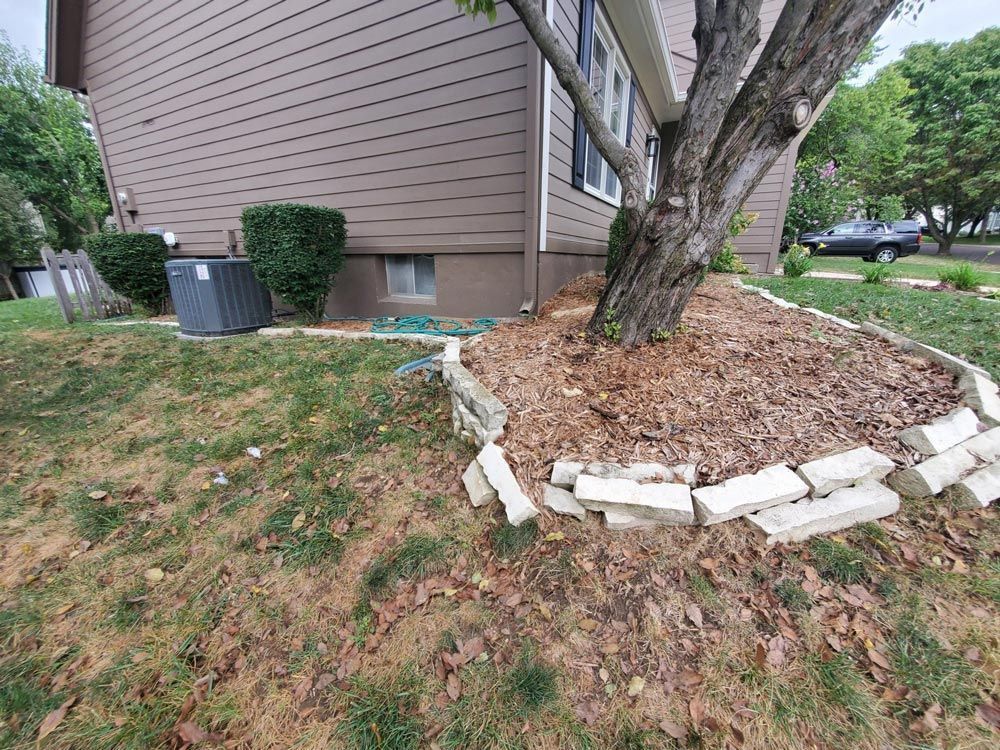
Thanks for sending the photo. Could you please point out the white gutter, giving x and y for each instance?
(543, 186)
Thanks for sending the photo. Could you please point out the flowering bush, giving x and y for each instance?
(819, 199)
(796, 261)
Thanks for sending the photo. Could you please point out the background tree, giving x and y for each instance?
(954, 161)
(20, 235)
(849, 161)
(732, 130)
(48, 151)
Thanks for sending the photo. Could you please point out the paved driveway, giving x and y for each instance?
(967, 252)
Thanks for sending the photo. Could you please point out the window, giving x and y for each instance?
(611, 84)
(410, 275)
(651, 171)
(843, 229)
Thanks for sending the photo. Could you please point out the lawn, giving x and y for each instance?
(961, 325)
(159, 586)
(910, 267)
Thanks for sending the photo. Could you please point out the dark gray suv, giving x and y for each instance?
(874, 241)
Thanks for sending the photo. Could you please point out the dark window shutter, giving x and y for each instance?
(580, 132)
(631, 114)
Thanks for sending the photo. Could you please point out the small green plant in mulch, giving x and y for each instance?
(792, 595)
(841, 686)
(382, 714)
(530, 684)
(703, 589)
(612, 328)
(876, 273)
(934, 673)
(838, 562)
(509, 541)
(963, 276)
(796, 261)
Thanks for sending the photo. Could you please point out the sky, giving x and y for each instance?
(941, 20)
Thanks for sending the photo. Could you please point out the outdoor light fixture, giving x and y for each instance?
(652, 145)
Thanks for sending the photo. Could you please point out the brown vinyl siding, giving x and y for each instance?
(578, 221)
(407, 115)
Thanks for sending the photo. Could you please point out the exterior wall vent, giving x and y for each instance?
(217, 297)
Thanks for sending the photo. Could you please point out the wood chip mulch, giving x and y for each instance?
(742, 385)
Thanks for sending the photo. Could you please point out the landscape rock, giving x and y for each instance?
(985, 446)
(563, 502)
(748, 493)
(949, 362)
(825, 475)
(487, 407)
(934, 474)
(480, 490)
(664, 502)
(687, 473)
(498, 473)
(623, 521)
(841, 509)
(468, 424)
(564, 473)
(980, 488)
(648, 472)
(982, 395)
(943, 433)
(452, 350)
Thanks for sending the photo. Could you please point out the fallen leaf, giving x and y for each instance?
(635, 686)
(555, 536)
(50, 722)
(675, 730)
(587, 625)
(191, 732)
(97, 495)
(693, 612)
(299, 521)
(697, 710)
(153, 575)
(989, 713)
(928, 722)
(878, 659)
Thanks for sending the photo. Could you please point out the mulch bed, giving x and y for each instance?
(742, 385)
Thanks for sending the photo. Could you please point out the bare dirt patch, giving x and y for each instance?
(742, 385)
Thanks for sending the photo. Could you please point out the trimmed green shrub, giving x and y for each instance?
(132, 264)
(295, 251)
(963, 276)
(797, 261)
(617, 237)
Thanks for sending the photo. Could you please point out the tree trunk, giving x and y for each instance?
(984, 229)
(10, 286)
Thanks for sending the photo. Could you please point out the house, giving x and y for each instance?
(468, 184)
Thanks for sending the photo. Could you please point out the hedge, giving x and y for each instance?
(295, 251)
(132, 264)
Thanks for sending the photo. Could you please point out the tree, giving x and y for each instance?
(20, 235)
(47, 149)
(954, 161)
(732, 130)
(859, 145)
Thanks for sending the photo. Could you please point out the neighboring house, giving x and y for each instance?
(468, 185)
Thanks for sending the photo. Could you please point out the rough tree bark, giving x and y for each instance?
(728, 137)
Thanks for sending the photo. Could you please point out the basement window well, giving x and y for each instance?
(410, 276)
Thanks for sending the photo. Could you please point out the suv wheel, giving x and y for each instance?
(886, 254)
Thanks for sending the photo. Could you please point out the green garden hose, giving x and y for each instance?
(429, 326)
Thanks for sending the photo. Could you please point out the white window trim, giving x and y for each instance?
(617, 61)
(413, 281)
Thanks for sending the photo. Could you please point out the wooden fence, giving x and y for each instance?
(90, 296)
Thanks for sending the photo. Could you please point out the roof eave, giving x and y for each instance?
(639, 24)
(64, 44)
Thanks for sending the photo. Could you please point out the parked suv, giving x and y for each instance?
(874, 241)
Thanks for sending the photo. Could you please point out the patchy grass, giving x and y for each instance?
(839, 562)
(964, 326)
(340, 592)
(510, 541)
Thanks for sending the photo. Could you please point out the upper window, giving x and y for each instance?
(609, 82)
(410, 275)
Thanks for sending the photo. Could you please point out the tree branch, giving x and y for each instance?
(704, 14)
(571, 78)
